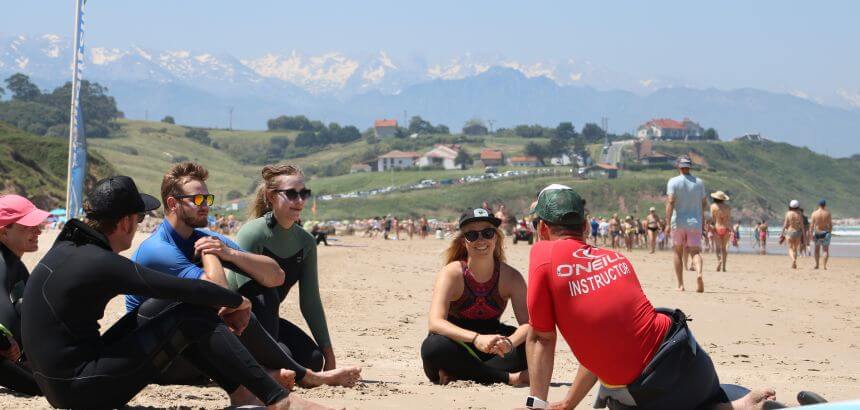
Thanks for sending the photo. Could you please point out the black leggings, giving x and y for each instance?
(265, 303)
(441, 353)
(133, 354)
(17, 378)
(257, 341)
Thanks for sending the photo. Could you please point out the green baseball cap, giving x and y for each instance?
(560, 204)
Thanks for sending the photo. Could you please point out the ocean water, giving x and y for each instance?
(845, 241)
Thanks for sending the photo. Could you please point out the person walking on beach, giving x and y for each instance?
(821, 230)
(721, 215)
(792, 230)
(652, 223)
(644, 358)
(615, 230)
(685, 211)
(761, 236)
(20, 227)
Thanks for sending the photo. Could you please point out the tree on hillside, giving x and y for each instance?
(463, 160)
(2, 92)
(277, 149)
(442, 129)
(711, 134)
(21, 88)
(418, 125)
(168, 120)
(536, 150)
(475, 126)
(557, 146)
(285, 122)
(579, 144)
(306, 139)
(565, 130)
(592, 132)
(199, 134)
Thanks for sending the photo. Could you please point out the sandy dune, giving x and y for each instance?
(763, 324)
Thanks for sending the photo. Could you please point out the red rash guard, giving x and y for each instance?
(595, 299)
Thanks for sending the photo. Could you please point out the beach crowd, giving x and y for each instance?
(202, 308)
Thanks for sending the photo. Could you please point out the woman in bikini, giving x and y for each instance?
(652, 222)
(467, 341)
(721, 216)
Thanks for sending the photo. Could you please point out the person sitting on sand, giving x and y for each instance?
(685, 215)
(594, 298)
(77, 366)
(467, 341)
(279, 202)
(20, 227)
(821, 228)
(721, 216)
(792, 230)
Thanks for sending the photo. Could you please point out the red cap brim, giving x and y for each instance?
(34, 218)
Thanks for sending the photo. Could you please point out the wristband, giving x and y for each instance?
(533, 402)
(475, 338)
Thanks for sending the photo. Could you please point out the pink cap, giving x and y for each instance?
(15, 209)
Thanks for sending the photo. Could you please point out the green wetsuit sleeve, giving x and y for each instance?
(249, 238)
(309, 296)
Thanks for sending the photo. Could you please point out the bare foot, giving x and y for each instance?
(794, 265)
(294, 402)
(700, 284)
(284, 377)
(344, 376)
(519, 378)
(680, 288)
(243, 397)
(754, 399)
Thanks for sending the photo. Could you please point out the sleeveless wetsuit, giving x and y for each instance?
(295, 251)
(13, 278)
(78, 367)
(478, 309)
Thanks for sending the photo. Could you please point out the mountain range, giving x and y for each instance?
(200, 88)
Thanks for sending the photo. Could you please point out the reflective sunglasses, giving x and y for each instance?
(487, 233)
(292, 194)
(199, 199)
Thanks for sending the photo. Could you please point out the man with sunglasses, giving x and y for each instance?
(643, 357)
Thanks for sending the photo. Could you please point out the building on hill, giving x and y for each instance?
(397, 160)
(385, 128)
(602, 171)
(668, 129)
(360, 167)
(442, 155)
(492, 157)
(562, 159)
(525, 161)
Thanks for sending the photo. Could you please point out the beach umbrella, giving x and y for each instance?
(57, 212)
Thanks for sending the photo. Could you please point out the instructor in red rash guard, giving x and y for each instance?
(645, 358)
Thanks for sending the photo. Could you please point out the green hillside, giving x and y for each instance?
(36, 167)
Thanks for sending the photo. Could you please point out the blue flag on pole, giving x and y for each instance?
(77, 138)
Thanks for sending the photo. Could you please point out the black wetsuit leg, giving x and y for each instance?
(133, 355)
(301, 346)
(17, 378)
(259, 343)
(441, 353)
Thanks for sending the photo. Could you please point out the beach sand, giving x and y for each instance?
(762, 323)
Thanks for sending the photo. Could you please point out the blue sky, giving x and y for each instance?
(788, 46)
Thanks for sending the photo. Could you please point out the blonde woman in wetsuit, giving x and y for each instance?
(467, 341)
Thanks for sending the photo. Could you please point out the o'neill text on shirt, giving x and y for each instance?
(602, 270)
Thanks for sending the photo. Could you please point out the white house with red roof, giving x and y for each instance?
(492, 157)
(384, 128)
(397, 160)
(442, 155)
(669, 129)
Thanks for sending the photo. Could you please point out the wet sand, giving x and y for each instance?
(762, 323)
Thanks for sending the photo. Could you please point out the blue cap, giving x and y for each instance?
(822, 202)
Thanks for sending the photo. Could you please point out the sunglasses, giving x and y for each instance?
(199, 199)
(292, 194)
(487, 233)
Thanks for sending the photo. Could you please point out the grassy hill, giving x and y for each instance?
(36, 167)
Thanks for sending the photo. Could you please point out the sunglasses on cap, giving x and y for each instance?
(487, 233)
(199, 199)
(292, 194)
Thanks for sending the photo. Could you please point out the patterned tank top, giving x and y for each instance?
(479, 301)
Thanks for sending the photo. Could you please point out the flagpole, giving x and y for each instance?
(77, 139)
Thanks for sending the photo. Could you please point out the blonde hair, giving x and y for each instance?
(270, 173)
(457, 249)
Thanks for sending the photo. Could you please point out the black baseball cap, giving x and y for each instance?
(479, 214)
(117, 197)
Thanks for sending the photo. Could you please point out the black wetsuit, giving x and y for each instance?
(13, 277)
(76, 367)
(478, 310)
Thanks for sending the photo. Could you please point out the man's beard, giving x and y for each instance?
(193, 221)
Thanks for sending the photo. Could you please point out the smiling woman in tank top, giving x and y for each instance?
(467, 340)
